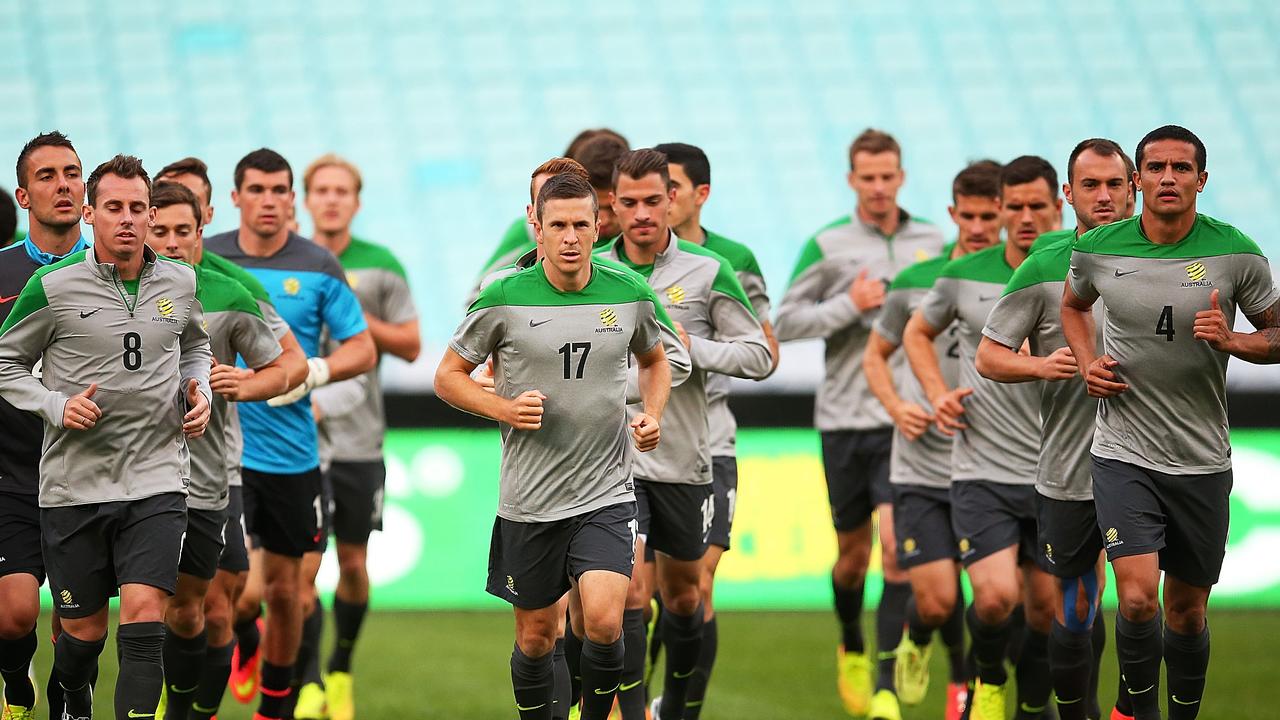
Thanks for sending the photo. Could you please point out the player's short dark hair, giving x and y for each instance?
(640, 163)
(598, 155)
(53, 138)
(557, 166)
(189, 166)
(980, 178)
(1100, 146)
(565, 186)
(265, 160)
(875, 142)
(1173, 132)
(691, 158)
(575, 145)
(1028, 168)
(8, 218)
(166, 193)
(124, 166)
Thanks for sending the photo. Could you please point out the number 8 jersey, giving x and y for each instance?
(1173, 417)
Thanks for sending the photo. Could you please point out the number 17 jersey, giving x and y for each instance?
(1173, 417)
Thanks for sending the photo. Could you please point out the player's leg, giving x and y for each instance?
(891, 617)
(219, 609)
(560, 667)
(186, 643)
(1186, 645)
(679, 527)
(631, 692)
(21, 575)
(531, 666)
(246, 659)
(933, 601)
(307, 696)
(601, 556)
(724, 475)
(1034, 680)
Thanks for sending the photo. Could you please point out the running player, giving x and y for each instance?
(1172, 280)
(567, 513)
(51, 190)
(236, 328)
(1100, 189)
(352, 441)
(993, 462)
(125, 377)
(691, 179)
(673, 485)
(836, 289)
(280, 457)
(920, 470)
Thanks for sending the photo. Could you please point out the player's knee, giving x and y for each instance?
(185, 618)
(1137, 604)
(994, 607)
(352, 565)
(1184, 618)
(536, 639)
(850, 569)
(933, 610)
(604, 628)
(282, 593)
(19, 620)
(683, 601)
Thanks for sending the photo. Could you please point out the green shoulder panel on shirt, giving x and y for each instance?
(726, 281)
(1050, 262)
(517, 234)
(1209, 237)
(32, 299)
(987, 266)
(530, 288)
(738, 255)
(1052, 238)
(219, 264)
(812, 252)
(365, 255)
(221, 293)
(921, 275)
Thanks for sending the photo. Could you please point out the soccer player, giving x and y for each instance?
(836, 289)
(993, 461)
(691, 179)
(125, 380)
(51, 190)
(920, 471)
(236, 328)
(561, 334)
(673, 485)
(1100, 189)
(352, 441)
(1172, 281)
(282, 486)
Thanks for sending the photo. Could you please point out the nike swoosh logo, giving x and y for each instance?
(623, 687)
(136, 714)
(1031, 710)
(610, 691)
(1120, 273)
(177, 690)
(1139, 692)
(536, 324)
(1183, 702)
(522, 708)
(682, 676)
(11, 298)
(983, 298)
(84, 314)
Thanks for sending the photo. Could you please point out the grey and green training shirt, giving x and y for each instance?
(817, 305)
(1173, 417)
(574, 348)
(140, 342)
(1002, 441)
(700, 291)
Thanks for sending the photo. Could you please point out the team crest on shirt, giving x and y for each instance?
(675, 294)
(1197, 272)
(921, 255)
(608, 322)
(292, 286)
(164, 306)
(353, 280)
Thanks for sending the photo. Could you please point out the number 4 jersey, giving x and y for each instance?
(1173, 418)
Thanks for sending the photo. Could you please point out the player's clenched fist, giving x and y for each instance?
(81, 412)
(525, 410)
(225, 380)
(948, 408)
(911, 419)
(645, 432)
(1059, 365)
(197, 418)
(1101, 379)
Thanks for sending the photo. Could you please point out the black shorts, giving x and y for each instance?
(326, 513)
(988, 517)
(724, 485)
(91, 550)
(235, 550)
(284, 512)
(856, 463)
(1069, 537)
(1184, 518)
(20, 536)
(202, 543)
(530, 564)
(357, 489)
(675, 520)
(922, 522)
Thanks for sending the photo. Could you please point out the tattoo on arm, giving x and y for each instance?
(1267, 323)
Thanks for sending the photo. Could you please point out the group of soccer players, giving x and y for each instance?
(1061, 393)
(187, 418)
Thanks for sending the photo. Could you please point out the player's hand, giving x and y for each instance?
(1101, 380)
(81, 412)
(524, 411)
(867, 293)
(684, 336)
(948, 408)
(645, 432)
(197, 418)
(911, 419)
(485, 377)
(317, 375)
(225, 380)
(1060, 365)
(1212, 327)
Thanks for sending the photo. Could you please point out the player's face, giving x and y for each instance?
(332, 199)
(121, 215)
(687, 198)
(641, 206)
(567, 233)
(1029, 211)
(610, 226)
(535, 187)
(978, 220)
(876, 178)
(1101, 191)
(1168, 178)
(55, 187)
(175, 233)
(197, 186)
(265, 201)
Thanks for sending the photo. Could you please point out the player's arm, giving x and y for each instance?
(195, 360)
(937, 311)
(1002, 363)
(1080, 330)
(266, 376)
(739, 347)
(355, 352)
(753, 283)
(454, 385)
(394, 326)
(340, 398)
(805, 310)
(678, 362)
(1261, 347)
(655, 388)
(354, 356)
(911, 419)
(292, 360)
(24, 336)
